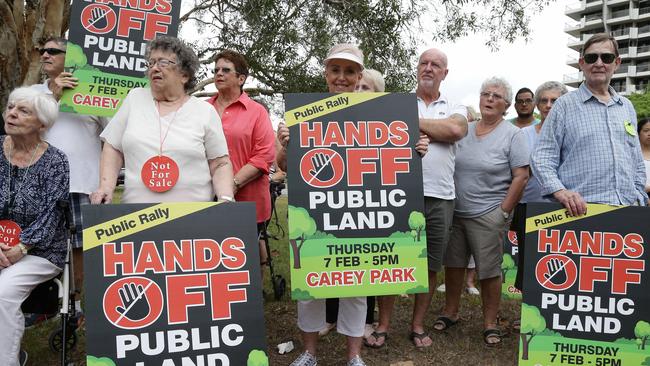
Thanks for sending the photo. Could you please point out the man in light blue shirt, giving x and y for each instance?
(588, 150)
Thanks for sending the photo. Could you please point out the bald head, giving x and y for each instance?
(432, 70)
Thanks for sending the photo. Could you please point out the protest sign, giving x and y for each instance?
(173, 284)
(509, 266)
(356, 222)
(586, 293)
(106, 48)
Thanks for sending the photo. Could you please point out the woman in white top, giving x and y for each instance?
(172, 144)
(644, 137)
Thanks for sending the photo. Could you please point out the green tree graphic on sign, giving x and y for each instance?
(416, 222)
(301, 227)
(532, 323)
(642, 332)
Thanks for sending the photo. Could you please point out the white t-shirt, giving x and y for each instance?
(77, 136)
(195, 136)
(438, 163)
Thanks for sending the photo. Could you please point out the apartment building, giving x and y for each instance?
(629, 22)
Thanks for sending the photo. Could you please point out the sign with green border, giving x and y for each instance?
(585, 287)
(106, 49)
(356, 222)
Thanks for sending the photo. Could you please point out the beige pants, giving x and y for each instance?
(351, 319)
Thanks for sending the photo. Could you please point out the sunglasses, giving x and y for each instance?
(225, 70)
(606, 58)
(51, 51)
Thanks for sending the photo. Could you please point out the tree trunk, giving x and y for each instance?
(524, 343)
(419, 231)
(643, 340)
(296, 253)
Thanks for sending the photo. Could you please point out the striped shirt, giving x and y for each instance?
(586, 147)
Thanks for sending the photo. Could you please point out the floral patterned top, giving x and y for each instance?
(36, 191)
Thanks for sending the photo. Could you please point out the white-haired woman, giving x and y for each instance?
(33, 177)
(491, 173)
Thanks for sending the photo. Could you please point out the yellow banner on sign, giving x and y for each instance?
(140, 220)
(559, 217)
(326, 106)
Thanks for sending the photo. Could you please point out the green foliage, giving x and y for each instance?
(508, 263)
(102, 361)
(532, 322)
(646, 362)
(417, 290)
(74, 57)
(321, 235)
(641, 102)
(66, 108)
(642, 331)
(286, 41)
(257, 358)
(302, 225)
(424, 253)
(297, 293)
(416, 220)
(400, 234)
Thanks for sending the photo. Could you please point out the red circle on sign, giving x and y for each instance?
(512, 237)
(556, 272)
(160, 173)
(322, 168)
(133, 302)
(101, 14)
(9, 233)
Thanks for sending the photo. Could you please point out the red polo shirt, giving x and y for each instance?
(251, 140)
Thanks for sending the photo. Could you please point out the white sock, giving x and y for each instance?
(77, 305)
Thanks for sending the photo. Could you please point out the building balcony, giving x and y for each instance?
(572, 61)
(575, 10)
(573, 80)
(622, 16)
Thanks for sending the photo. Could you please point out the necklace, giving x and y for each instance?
(12, 197)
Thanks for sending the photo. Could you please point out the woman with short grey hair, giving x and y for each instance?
(34, 176)
(491, 173)
(171, 143)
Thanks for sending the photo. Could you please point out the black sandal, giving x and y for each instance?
(377, 336)
(420, 336)
(444, 321)
(495, 334)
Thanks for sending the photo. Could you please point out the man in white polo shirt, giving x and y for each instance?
(444, 123)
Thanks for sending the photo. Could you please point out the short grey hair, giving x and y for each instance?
(550, 85)
(44, 105)
(499, 82)
(186, 59)
(377, 79)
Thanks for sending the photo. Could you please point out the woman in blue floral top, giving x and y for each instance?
(33, 177)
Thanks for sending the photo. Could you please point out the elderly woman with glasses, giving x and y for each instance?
(34, 176)
(491, 173)
(172, 144)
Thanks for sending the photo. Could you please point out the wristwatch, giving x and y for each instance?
(23, 248)
(506, 215)
(236, 182)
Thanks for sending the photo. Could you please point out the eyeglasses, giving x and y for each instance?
(494, 96)
(607, 58)
(523, 101)
(544, 101)
(162, 63)
(225, 70)
(50, 51)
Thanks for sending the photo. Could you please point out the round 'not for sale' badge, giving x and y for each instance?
(9, 232)
(160, 173)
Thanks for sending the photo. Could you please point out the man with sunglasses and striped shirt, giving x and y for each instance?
(588, 150)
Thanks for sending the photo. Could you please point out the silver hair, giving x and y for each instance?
(44, 105)
(550, 85)
(186, 59)
(377, 79)
(499, 82)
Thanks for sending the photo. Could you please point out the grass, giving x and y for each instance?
(461, 345)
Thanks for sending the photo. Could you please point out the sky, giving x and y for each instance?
(523, 64)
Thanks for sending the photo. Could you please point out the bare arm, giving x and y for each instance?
(246, 174)
(221, 173)
(109, 168)
(447, 130)
(516, 190)
(281, 146)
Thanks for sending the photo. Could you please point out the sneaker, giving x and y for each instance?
(356, 361)
(472, 291)
(32, 319)
(305, 359)
(441, 288)
(22, 358)
(328, 327)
